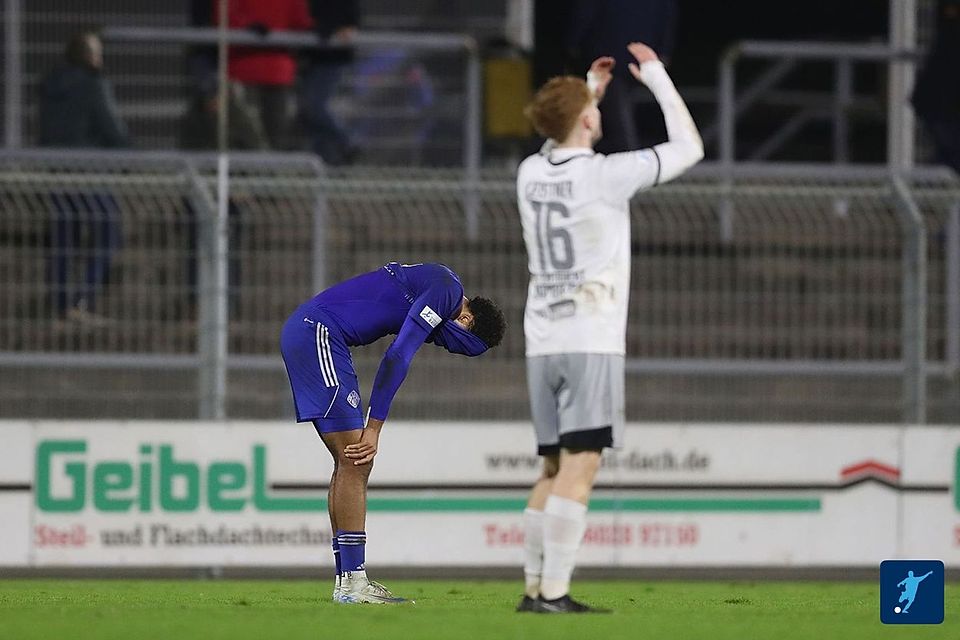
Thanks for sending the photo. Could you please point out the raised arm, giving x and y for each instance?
(684, 147)
(394, 366)
(599, 76)
(623, 174)
(393, 370)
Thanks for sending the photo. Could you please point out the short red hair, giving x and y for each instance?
(557, 105)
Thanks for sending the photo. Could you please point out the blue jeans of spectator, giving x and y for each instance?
(327, 138)
(85, 226)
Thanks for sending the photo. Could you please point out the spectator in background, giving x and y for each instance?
(336, 21)
(267, 75)
(198, 126)
(201, 59)
(598, 27)
(936, 96)
(77, 109)
(198, 132)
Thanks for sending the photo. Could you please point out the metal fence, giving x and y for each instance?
(789, 307)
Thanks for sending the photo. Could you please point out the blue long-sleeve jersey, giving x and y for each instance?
(417, 302)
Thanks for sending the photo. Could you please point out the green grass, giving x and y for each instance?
(180, 610)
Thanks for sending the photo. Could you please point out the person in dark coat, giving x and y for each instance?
(77, 109)
(936, 96)
(336, 21)
(599, 27)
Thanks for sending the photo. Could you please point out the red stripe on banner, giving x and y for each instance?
(870, 465)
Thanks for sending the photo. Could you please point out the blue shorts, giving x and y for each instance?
(324, 384)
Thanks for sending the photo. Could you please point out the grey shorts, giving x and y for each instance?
(576, 400)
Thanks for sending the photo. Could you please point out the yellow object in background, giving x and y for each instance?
(506, 92)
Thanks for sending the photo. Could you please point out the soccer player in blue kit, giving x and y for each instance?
(419, 303)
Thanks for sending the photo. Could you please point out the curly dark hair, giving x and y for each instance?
(488, 322)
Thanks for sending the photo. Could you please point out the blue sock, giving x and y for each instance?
(352, 550)
(336, 554)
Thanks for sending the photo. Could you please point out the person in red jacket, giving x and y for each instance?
(267, 75)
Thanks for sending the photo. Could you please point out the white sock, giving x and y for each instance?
(353, 578)
(532, 550)
(564, 524)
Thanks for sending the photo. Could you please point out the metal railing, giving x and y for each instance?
(786, 56)
(803, 315)
(843, 55)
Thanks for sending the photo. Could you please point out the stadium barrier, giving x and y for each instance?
(788, 307)
(253, 494)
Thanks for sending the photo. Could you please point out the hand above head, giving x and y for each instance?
(600, 75)
(642, 53)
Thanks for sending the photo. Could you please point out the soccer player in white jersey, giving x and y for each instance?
(575, 211)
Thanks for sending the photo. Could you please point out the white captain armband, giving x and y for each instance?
(431, 316)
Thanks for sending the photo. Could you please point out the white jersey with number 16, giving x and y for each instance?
(575, 211)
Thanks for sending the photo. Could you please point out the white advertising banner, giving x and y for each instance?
(254, 494)
(16, 503)
(931, 504)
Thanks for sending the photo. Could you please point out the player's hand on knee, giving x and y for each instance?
(363, 452)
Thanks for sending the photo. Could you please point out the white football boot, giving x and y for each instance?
(356, 588)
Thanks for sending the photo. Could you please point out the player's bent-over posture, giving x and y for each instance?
(575, 211)
(417, 302)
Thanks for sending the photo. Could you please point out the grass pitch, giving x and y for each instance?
(234, 610)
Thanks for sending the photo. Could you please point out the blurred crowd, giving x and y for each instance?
(280, 100)
(272, 95)
(264, 94)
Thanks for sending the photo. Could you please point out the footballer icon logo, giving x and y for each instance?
(353, 399)
(911, 592)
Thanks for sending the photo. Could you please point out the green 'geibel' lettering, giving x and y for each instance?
(156, 480)
(170, 469)
(221, 478)
(76, 471)
(110, 476)
(264, 502)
